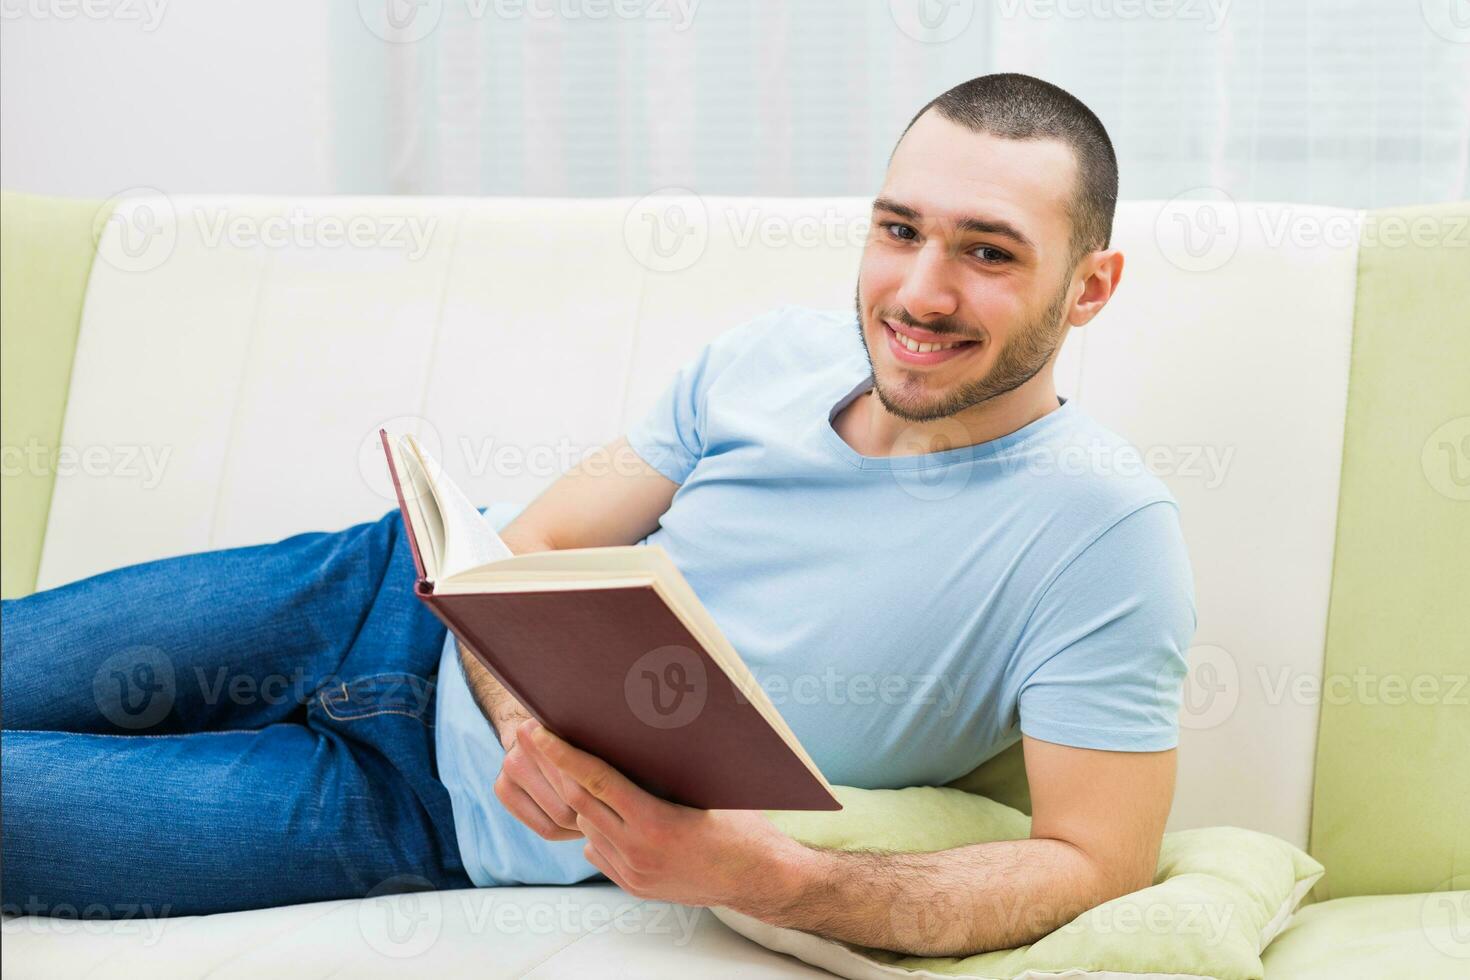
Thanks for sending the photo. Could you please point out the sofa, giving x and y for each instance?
(191, 372)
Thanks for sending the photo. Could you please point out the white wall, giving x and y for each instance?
(181, 95)
(1355, 104)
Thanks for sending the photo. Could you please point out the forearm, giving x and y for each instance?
(957, 902)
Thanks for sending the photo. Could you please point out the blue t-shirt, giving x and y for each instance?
(909, 616)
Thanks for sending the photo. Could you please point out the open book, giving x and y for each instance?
(609, 648)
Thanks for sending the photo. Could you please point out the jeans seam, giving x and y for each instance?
(371, 713)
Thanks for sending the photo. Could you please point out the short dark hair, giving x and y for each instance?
(1020, 107)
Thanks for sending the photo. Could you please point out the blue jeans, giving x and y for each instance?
(227, 730)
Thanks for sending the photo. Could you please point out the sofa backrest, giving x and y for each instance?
(237, 355)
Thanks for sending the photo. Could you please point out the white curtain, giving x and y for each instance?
(1357, 103)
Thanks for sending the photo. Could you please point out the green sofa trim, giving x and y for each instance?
(1392, 787)
(46, 251)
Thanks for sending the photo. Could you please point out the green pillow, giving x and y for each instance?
(1221, 894)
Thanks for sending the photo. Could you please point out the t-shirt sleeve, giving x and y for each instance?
(671, 437)
(1103, 653)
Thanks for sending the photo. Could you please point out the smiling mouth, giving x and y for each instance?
(912, 350)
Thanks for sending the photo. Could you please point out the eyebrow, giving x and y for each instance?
(979, 226)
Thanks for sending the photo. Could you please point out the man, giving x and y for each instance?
(886, 514)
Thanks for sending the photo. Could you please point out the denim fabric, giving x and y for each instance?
(226, 730)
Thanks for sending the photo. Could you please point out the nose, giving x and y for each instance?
(927, 291)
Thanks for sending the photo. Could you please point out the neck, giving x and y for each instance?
(885, 434)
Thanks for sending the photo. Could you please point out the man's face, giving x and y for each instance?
(997, 285)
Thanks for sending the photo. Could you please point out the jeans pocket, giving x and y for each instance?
(379, 694)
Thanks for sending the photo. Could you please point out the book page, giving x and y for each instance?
(422, 513)
(469, 539)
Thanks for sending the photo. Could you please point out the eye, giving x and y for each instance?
(891, 225)
(990, 255)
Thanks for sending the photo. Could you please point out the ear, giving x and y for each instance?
(1100, 272)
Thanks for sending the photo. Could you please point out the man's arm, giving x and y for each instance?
(1099, 818)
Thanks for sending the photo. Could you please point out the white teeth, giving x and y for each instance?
(919, 348)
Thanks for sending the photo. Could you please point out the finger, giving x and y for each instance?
(582, 802)
(600, 860)
(555, 778)
(523, 770)
(603, 843)
(528, 812)
(599, 779)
